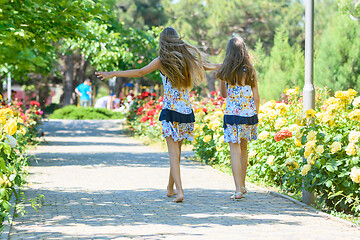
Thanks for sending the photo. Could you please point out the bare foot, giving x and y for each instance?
(179, 198)
(171, 192)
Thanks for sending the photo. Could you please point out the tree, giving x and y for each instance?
(30, 28)
(141, 14)
(284, 68)
(337, 63)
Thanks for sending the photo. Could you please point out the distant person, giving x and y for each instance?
(84, 91)
(105, 102)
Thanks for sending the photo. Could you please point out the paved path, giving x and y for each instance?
(100, 184)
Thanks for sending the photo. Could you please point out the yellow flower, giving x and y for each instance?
(310, 113)
(355, 115)
(200, 114)
(335, 147)
(354, 136)
(300, 120)
(263, 135)
(355, 175)
(291, 164)
(297, 134)
(214, 125)
(223, 107)
(3, 119)
(343, 95)
(280, 122)
(356, 102)
(310, 144)
(207, 138)
(351, 149)
(221, 139)
(310, 160)
(319, 149)
(352, 92)
(307, 153)
(271, 113)
(252, 154)
(298, 143)
(22, 130)
(292, 91)
(11, 126)
(219, 148)
(270, 160)
(0, 96)
(311, 136)
(293, 127)
(196, 127)
(305, 169)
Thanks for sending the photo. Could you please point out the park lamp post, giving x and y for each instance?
(309, 89)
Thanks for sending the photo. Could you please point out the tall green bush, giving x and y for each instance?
(283, 68)
(337, 64)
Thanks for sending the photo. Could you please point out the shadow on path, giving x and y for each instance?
(149, 206)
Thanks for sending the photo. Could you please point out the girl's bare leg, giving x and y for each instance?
(243, 163)
(235, 152)
(174, 149)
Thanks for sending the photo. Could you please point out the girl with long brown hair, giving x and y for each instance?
(239, 86)
(181, 67)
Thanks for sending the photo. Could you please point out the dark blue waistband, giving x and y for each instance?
(173, 116)
(233, 120)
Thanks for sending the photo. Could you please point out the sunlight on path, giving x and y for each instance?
(100, 184)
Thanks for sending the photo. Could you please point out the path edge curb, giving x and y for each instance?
(8, 223)
(323, 214)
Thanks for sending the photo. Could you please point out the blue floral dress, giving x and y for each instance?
(177, 117)
(240, 117)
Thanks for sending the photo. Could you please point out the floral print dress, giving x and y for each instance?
(240, 117)
(177, 118)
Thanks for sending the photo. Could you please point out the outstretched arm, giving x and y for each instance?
(155, 64)
(211, 66)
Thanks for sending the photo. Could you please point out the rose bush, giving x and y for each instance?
(17, 130)
(318, 149)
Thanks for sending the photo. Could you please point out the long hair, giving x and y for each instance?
(237, 64)
(181, 62)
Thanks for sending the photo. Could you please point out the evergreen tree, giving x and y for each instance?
(284, 68)
(337, 64)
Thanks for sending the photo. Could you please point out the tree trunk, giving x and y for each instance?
(118, 86)
(68, 81)
(210, 78)
(82, 68)
(43, 91)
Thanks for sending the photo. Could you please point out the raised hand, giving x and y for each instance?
(104, 75)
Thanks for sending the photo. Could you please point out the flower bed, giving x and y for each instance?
(18, 130)
(319, 148)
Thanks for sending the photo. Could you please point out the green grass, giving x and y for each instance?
(84, 113)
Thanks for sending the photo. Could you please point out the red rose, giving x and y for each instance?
(35, 103)
(283, 134)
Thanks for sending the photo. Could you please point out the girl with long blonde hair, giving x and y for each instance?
(239, 86)
(181, 67)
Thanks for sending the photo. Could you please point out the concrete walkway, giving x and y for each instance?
(100, 184)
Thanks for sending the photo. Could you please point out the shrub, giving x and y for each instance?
(81, 113)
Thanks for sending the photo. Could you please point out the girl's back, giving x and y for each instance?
(240, 101)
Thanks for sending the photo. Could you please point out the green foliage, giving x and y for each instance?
(74, 112)
(337, 64)
(284, 68)
(30, 28)
(141, 14)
